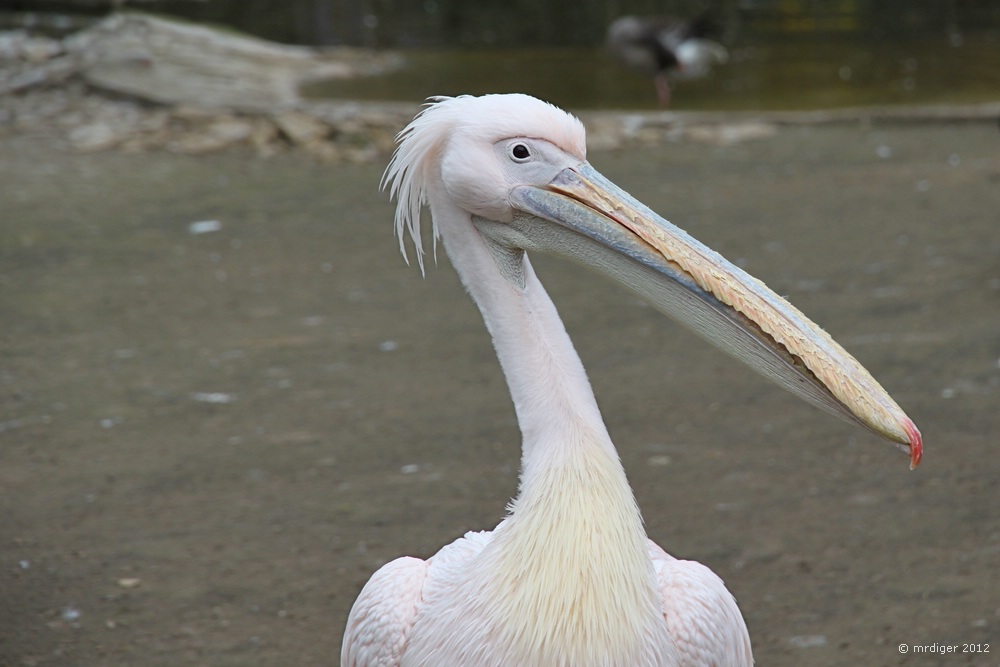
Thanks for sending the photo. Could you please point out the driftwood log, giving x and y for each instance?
(174, 62)
(141, 82)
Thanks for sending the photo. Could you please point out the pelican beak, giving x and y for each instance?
(582, 215)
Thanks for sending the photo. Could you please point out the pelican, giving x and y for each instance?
(569, 577)
(665, 49)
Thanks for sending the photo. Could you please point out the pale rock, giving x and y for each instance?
(301, 128)
(91, 137)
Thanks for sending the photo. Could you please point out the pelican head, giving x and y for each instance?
(515, 169)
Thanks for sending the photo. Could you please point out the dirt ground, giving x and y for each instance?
(209, 441)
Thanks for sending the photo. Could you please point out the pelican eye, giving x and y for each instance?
(520, 152)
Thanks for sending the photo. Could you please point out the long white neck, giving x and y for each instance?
(547, 381)
(569, 566)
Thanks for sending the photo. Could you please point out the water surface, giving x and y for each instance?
(817, 73)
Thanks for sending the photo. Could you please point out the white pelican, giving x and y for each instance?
(569, 578)
(665, 49)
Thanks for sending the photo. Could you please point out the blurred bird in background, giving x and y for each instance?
(665, 49)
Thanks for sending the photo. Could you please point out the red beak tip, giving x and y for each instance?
(916, 443)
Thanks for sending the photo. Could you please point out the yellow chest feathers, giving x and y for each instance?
(570, 570)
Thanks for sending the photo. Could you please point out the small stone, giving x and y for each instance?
(217, 397)
(204, 227)
(40, 49)
(230, 130)
(324, 150)
(196, 143)
(263, 137)
(301, 128)
(808, 641)
(94, 137)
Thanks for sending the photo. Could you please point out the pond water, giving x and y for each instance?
(785, 54)
(784, 74)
